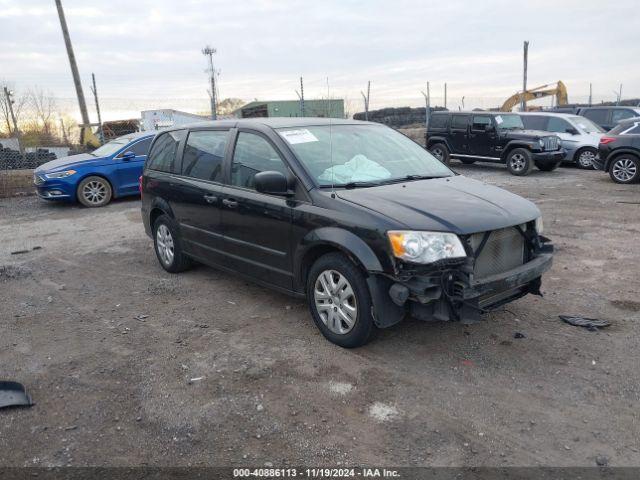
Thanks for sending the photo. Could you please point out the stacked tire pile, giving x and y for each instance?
(12, 159)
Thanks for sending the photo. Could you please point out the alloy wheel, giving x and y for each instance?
(586, 159)
(624, 169)
(164, 242)
(438, 153)
(94, 192)
(518, 162)
(335, 301)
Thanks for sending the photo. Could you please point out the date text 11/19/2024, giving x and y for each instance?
(316, 472)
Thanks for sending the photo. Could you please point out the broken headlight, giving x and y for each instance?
(425, 247)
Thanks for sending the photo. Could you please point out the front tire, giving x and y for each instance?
(519, 162)
(168, 245)
(584, 158)
(94, 191)
(441, 152)
(340, 301)
(625, 169)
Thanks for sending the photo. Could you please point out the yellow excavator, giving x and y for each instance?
(559, 91)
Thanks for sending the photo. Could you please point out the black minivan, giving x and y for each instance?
(354, 216)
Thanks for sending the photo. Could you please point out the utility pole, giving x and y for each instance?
(94, 90)
(366, 100)
(74, 71)
(8, 94)
(209, 51)
(619, 95)
(445, 95)
(590, 94)
(301, 98)
(523, 102)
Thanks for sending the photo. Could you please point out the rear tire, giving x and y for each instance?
(625, 169)
(519, 162)
(441, 152)
(168, 245)
(94, 191)
(547, 167)
(584, 158)
(340, 301)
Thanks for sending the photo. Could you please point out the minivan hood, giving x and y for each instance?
(80, 160)
(454, 204)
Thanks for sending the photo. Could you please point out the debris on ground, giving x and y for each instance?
(602, 461)
(519, 335)
(13, 394)
(591, 324)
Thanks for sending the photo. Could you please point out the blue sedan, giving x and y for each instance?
(93, 179)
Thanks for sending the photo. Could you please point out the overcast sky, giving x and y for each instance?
(148, 52)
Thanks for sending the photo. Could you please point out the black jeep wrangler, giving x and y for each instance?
(492, 137)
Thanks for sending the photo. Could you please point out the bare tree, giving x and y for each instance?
(19, 102)
(44, 106)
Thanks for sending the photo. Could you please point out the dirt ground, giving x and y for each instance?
(107, 344)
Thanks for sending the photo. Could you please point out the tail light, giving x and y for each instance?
(605, 140)
(140, 185)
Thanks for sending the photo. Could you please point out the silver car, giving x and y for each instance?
(580, 136)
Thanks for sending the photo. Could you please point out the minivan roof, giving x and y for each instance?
(274, 122)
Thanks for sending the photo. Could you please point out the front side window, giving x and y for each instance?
(558, 125)
(617, 115)
(163, 154)
(480, 122)
(204, 154)
(340, 155)
(585, 124)
(253, 154)
(438, 120)
(509, 122)
(141, 148)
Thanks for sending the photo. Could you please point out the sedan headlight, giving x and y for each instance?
(66, 173)
(539, 225)
(425, 247)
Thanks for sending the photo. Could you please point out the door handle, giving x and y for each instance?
(229, 202)
(210, 198)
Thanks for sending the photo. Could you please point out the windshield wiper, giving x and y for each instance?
(358, 185)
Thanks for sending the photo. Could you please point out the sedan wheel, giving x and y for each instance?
(625, 170)
(335, 302)
(94, 191)
(585, 159)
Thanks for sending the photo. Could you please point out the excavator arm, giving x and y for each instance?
(560, 92)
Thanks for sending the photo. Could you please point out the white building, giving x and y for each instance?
(165, 118)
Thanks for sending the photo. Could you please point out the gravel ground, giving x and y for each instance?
(129, 365)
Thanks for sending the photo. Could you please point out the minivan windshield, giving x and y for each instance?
(360, 155)
(509, 122)
(110, 148)
(586, 125)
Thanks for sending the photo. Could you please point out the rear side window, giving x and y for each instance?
(598, 116)
(142, 147)
(480, 122)
(204, 154)
(626, 128)
(163, 153)
(460, 121)
(534, 122)
(558, 125)
(438, 120)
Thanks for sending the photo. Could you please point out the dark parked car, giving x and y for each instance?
(492, 137)
(619, 152)
(606, 117)
(354, 216)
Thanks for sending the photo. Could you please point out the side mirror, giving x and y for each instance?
(572, 131)
(489, 128)
(272, 183)
(128, 156)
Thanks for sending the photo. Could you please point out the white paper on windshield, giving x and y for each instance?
(499, 119)
(300, 135)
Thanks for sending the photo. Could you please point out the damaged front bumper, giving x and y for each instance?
(451, 293)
